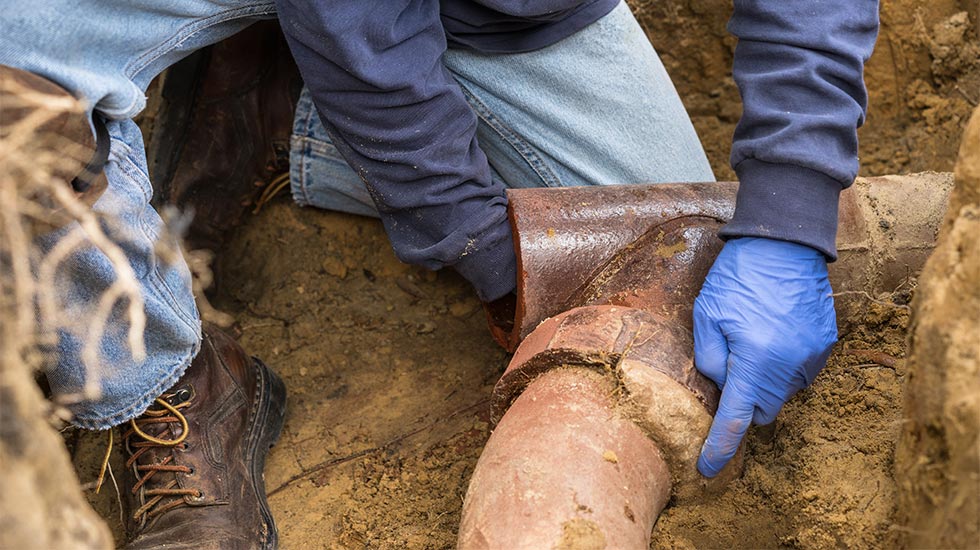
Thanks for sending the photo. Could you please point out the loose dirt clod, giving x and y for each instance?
(581, 534)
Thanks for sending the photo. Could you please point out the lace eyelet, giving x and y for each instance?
(182, 395)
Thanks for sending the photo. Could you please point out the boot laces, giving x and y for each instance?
(157, 500)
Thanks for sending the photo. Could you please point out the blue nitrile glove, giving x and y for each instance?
(764, 325)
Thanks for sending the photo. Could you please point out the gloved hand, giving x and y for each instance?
(764, 325)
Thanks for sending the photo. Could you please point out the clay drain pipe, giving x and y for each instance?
(600, 414)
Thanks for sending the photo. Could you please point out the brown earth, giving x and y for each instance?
(822, 477)
(390, 368)
(938, 457)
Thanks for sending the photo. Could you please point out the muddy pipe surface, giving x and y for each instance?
(599, 418)
(650, 246)
(601, 412)
(565, 469)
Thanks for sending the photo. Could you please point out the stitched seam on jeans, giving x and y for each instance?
(140, 405)
(130, 169)
(306, 156)
(324, 149)
(521, 146)
(159, 283)
(303, 182)
(299, 129)
(297, 160)
(188, 31)
(188, 317)
(304, 169)
(308, 119)
(305, 159)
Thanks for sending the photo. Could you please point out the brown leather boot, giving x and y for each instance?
(223, 130)
(195, 459)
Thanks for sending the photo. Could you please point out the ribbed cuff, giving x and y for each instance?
(787, 203)
(491, 270)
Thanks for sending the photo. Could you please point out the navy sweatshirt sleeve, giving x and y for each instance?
(799, 66)
(399, 119)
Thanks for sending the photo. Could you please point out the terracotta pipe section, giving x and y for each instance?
(601, 414)
(651, 245)
(600, 408)
(565, 469)
(887, 230)
(651, 360)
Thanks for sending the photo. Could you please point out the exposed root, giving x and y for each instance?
(270, 191)
(871, 299)
(877, 358)
(373, 450)
(42, 505)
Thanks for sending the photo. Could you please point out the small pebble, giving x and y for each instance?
(461, 309)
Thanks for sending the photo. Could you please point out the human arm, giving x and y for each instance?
(761, 321)
(399, 119)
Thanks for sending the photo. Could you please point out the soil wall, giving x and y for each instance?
(938, 456)
(923, 79)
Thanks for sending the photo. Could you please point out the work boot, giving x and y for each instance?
(195, 458)
(223, 128)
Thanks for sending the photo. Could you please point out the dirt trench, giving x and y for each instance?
(390, 367)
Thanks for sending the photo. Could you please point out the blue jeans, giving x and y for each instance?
(595, 109)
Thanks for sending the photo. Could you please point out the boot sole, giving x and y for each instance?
(265, 430)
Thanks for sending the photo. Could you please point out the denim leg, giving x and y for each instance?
(173, 329)
(106, 52)
(318, 175)
(597, 108)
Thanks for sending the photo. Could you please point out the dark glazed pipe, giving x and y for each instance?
(650, 246)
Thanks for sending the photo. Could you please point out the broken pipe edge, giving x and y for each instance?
(599, 420)
(650, 360)
(598, 375)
